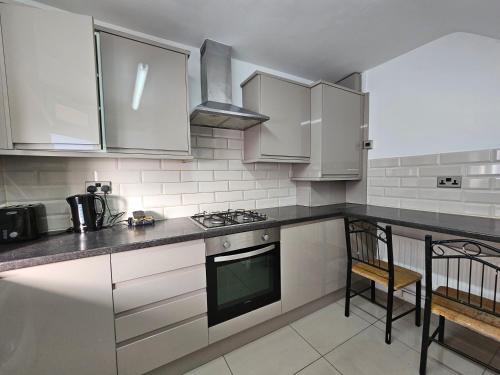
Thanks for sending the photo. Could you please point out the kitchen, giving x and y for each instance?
(200, 195)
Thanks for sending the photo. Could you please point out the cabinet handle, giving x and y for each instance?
(248, 254)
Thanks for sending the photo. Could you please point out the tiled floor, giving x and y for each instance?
(327, 343)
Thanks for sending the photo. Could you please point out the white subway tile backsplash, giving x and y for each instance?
(491, 197)
(254, 175)
(161, 176)
(420, 160)
(495, 183)
(241, 185)
(178, 165)
(197, 176)
(203, 153)
(466, 157)
(497, 211)
(475, 183)
(235, 144)
(384, 181)
(382, 163)
(216, 179)
(255, 194)
(375, 190)
(138, 164)
(401, 192)
(180, 187)
(401, 172)
(418, 182)
(228, 196)
(383, 201)
(418, 204)
(440, 194)
(197, 198)
(180, 211)
(141, 189)
(212, 165)
(497, 154)
(441, 171)
(151, 201)
(477, 209)
(376, 172)
(212, 186)
(487, 169)
(267, 203)
(228, 133)
(227, 154)
(21, 178)
(451, 207)
(212, 142)
(227, 175)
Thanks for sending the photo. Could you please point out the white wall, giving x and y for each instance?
(441, 97)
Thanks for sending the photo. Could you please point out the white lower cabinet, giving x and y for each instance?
(160, 306)
(58, 319)
(313, 261)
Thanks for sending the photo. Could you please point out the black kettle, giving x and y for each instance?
(84, 214)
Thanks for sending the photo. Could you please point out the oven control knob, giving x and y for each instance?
(226, 244)
(265, 237)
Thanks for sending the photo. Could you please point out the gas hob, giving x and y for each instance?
(227, 218)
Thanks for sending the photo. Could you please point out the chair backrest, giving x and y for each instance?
(369, 243)
(465, 271)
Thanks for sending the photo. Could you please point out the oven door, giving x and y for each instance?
(241, 281)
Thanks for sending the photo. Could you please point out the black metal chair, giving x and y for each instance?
(465, 292)
(364, 259)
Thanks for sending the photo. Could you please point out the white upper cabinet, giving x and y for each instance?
(336, 134)
(145, 93)
(286, 137)
(51, 79)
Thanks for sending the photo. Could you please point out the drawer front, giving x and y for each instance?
(140, 292)
(163, 315)
(149, 353)
(152, 260)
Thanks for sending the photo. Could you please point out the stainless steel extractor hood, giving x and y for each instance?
(217, 110)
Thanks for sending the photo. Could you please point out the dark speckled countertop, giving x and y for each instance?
(67, 246)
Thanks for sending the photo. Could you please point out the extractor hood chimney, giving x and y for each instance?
(217, 110)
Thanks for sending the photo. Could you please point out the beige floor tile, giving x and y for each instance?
(366, 354)
(281, 352)
(476, 345)
(216, 367)
(327, 328)
(370, 308)
(320, 367)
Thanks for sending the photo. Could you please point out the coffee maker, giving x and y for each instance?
(85, 215)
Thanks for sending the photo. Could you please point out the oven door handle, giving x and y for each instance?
(249, 254)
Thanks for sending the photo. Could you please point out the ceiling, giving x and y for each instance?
(314, 39)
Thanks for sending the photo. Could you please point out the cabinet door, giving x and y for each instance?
(51, 78)
(342, 119)
(58, 319)
(301, 265)
(145, 95)
(313, 261)
(288, 132)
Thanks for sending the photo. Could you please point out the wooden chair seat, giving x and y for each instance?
(402, 276)
(470, 317)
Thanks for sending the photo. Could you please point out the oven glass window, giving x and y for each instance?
(243, 281)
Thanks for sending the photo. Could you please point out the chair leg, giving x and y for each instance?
(388, 319)
(441, 329)
(418, 303)
(425, 338)
(348, 291)
(372, 290)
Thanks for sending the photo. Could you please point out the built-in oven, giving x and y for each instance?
(243, 273)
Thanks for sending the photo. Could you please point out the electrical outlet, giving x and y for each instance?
(98, 185)
(453, 182)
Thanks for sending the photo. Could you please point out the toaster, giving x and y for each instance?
(22, 222)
